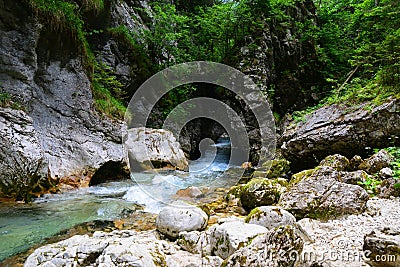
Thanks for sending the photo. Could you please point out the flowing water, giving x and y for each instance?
(24, 225)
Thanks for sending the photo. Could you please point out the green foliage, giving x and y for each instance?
(7, 101)
(395, 165)
(132, 42)
(359, 42)
(107, 92)
(371, 185)
(66, 17)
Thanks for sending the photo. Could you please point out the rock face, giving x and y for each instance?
(226, 238)
(22, 163)
(279, 247)
(383, 248)
(340, 129)
(154, 148)
(43, 70)
(274, 58)
(180, 217)
(323, 195)
(270, 217)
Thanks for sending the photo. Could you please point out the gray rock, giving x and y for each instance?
(180, 217)
(279, 247)
(376, 162)
(382, 248)
(270, 217)
(337, 129)
(226, 238)
(337, 162)
(355, 162)
(385, 173)
(118, 248)
(186, 259)
(389, 188)
(49, 81)
(323, 195)
(22, 161)
(355, 177)
(154, 148)
(195, 242)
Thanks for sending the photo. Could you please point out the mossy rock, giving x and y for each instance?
(276, 168)
(336, 161)
(300, 176)
(261, 192)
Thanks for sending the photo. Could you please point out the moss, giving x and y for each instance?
(300, 176)
(277, 168)
(254, 213)
(65, 17)
(260, 192)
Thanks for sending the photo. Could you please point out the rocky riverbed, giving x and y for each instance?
(326, 226)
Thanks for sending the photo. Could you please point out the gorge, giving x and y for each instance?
(77, 179)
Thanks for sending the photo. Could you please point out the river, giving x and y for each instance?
(24, 225)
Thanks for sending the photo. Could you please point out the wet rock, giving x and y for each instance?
(246, 165)
(340, 129)
(44, 71)
(279, 247)
(382, 248)
(226, 238)
(190, 192)
(180, 217)
(376, 162)
(154, 148)
(322, 195)
(270, 217)
(261, 192)
(337, 162)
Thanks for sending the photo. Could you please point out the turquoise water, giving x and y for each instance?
(24, 225)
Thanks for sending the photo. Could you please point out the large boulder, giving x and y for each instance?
(226, 238)
(118, 248)
(322, 195)
(125, 248)
(382, 248)
(270, 217)
(280, 247)
(340, 129)
(154, 148)
(180, 217)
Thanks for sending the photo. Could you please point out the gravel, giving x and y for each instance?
(339, 242)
